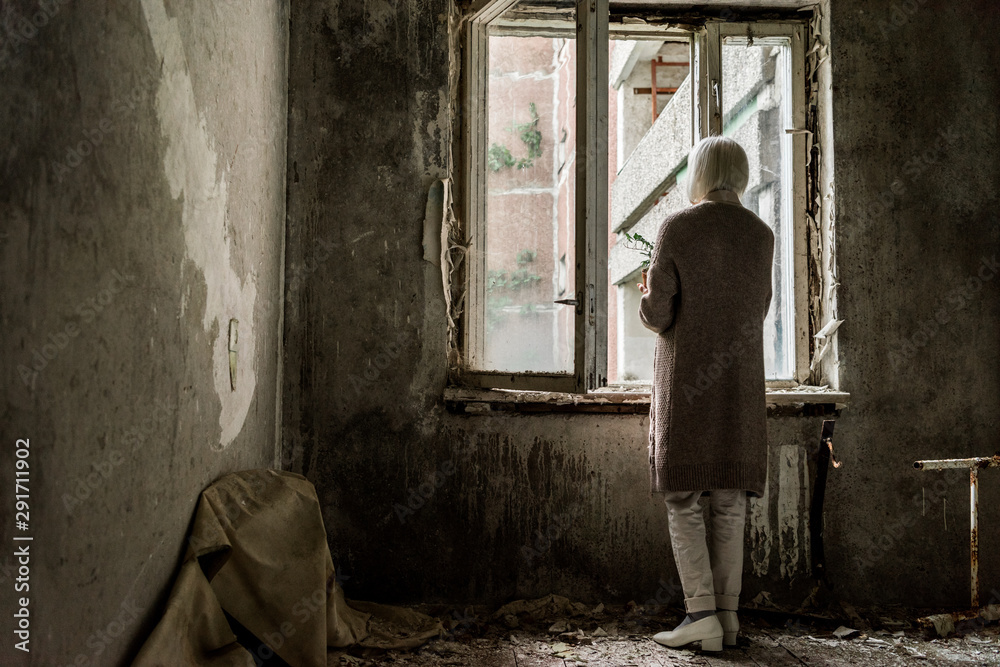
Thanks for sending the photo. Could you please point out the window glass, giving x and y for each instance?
(756, 105)
(526, 259)
(530, 209)
(648, 142)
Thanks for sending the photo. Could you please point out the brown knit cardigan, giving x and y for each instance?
(709, 290)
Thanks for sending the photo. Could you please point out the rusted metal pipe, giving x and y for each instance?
(824, 456)
(659, 91)
(974, 532)
(942, 464)
(974, 465)
(653, 64)
(652, 74)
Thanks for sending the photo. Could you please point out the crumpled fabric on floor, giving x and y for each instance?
(258, 550)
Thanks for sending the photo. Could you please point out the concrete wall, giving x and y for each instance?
(915, 125)
(365, 340)
(142, 207)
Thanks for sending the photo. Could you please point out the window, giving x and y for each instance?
(577, 134)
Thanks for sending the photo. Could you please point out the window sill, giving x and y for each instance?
(627, 399)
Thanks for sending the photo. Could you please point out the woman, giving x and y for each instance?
(709, 290)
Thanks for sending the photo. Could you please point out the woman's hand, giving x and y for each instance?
(642, 288)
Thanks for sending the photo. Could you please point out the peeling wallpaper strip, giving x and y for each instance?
(822, 223)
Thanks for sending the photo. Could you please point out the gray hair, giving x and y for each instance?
(716, 163)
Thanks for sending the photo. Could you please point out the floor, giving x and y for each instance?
(621, 638)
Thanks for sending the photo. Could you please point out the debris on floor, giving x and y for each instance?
(945, 624)
(554, 631)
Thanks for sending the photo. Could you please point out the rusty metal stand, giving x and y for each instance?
(974, 466)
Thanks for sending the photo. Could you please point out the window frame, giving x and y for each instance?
(708, 115)
(591, 192)
(590, 295)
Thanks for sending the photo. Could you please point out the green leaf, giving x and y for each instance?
(499, 156)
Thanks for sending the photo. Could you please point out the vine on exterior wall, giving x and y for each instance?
(501, 287)
(499, 156)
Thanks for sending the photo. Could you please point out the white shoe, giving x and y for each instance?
(730, 626)
(707, 630)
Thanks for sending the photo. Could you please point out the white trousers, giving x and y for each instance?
(711, 575)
